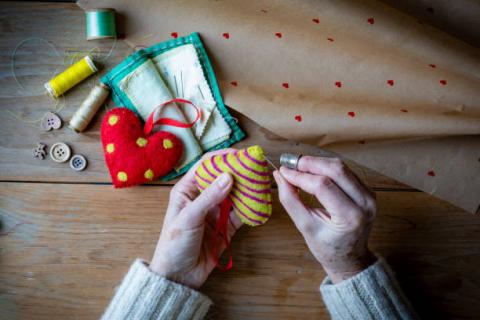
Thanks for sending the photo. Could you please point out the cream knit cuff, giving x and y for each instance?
(371, 294)
(146, 295)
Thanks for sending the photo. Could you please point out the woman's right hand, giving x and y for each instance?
(337, 235)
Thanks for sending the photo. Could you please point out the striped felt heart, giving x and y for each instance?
(251, 194)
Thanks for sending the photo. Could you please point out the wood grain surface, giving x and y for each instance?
(67, 238)
(78, 241)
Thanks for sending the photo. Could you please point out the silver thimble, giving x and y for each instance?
(290, 160)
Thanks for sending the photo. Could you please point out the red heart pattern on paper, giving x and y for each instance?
(298, 118)
(316, 20)
(285, 85)
(174, 35)
(351, 114)
(390, 82)
(234, 83)
(338, 84)
(226, 35)
(371, 20)
(278, 34)
(132, 157)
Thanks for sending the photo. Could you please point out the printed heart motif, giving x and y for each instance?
(174, 35)
(443, 82)
(251, 193)
(298, 118)
(390, 82)
(316, 20)
(371, 20)
(285, 85)
(234, 83)
(132, 157)
(351, 114)
(278, 34)
(338, 84)
(226, 35)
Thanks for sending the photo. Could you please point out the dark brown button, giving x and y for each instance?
(60, 152)
(51, 121)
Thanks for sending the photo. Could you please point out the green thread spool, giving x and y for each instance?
(100, 24)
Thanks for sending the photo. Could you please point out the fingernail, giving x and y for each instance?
(283, 170)
(224, 180)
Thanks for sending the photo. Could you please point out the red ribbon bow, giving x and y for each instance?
(149, 124)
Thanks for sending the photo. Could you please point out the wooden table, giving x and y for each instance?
(77, 235)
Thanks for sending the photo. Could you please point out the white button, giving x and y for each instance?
(60, 152)
(51, 121)
(78, 162)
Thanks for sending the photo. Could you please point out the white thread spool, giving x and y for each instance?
(89, 107)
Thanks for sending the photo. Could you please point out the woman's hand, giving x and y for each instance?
(338, 234)
(183, 251)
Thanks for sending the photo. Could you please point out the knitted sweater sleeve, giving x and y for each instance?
(371, 294)
(146, 295)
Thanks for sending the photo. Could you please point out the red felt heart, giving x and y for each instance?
(132, 157)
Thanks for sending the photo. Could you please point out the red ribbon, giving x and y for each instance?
(169, 121)
(221, 230)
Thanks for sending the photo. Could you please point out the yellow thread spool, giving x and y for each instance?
(69, 78)
(89, 107)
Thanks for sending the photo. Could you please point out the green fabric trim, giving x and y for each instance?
(113, 78)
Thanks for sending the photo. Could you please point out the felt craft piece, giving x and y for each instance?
(182, 72)
(221, 130)
(132, 157)
(251, 195)
(146, 89)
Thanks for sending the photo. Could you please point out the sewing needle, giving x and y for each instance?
(271, 163)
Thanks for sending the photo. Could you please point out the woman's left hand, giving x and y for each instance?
(183, 252)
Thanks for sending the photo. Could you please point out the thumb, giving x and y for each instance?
(212, 196)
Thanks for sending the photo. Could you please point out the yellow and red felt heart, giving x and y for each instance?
(251, 195)
(132, 156)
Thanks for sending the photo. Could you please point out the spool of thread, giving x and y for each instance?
(69, 78)
(100, 24)
(89, 107)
